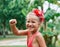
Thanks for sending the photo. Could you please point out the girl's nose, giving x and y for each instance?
(30, 24)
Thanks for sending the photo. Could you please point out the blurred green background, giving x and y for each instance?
(18, 9)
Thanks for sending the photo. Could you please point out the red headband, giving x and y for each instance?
(39, 14)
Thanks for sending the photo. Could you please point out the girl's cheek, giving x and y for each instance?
(26, 24)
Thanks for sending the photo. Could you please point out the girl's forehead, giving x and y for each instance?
(32, 16)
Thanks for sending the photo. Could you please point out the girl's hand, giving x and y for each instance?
(13, 22)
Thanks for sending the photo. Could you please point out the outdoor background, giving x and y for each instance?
(18, 9)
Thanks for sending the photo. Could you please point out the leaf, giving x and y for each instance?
(48, 33)
(12, 4)
(52, 1)
(51, 25)
(49, 14)
(24, 11)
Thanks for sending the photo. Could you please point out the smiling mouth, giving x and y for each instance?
(30, 27)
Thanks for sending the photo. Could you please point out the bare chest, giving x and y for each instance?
(34, 41)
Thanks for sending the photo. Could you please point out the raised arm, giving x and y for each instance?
(41, 40)
(15, 30)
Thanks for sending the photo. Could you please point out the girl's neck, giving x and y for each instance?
(33, 32)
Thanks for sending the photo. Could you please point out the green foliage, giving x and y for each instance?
(51, 25)
(49, 14)
(52, 1)
(48, 33)
(57, 14)
(13, 9)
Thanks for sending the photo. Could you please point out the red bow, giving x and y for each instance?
(39, 14)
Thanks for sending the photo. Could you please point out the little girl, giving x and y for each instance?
(34, 20)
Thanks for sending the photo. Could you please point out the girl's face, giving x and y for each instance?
(32, 22)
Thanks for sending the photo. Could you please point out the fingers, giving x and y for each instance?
(12, 21)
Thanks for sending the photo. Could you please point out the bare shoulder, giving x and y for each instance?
(39, 35)
(40, 39)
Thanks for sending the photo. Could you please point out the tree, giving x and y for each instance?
(13, 9)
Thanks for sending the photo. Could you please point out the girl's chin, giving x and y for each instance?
(31, 29)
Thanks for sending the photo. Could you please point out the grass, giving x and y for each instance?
(11, 37)
(13, 46)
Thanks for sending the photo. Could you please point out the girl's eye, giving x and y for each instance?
(33, 22)
(28, 21)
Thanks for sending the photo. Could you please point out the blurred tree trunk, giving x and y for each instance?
(4, 26)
